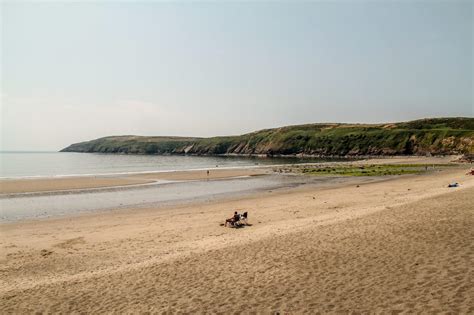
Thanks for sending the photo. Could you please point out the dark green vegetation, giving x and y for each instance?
(370, 170)
(435, 136)
(133, 145)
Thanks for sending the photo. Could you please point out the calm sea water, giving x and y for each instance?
(26, 164)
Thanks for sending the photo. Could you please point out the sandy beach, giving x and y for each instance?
(398, 244)
(237, 157)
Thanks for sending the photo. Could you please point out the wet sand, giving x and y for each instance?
(12, 186)
(404, 244)
(156, 195)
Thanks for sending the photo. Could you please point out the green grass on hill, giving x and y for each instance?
(436, 136)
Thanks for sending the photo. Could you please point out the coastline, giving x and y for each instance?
(23, 184)
(73, 182)
(44, 198)
(45, 205)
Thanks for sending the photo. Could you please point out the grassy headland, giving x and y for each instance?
(435, 136)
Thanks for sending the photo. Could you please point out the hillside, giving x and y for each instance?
(436, 136)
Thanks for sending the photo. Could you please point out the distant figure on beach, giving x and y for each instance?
(207, 173)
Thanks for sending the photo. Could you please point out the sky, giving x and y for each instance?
(72, 72)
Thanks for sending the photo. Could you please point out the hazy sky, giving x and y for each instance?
(77, 71)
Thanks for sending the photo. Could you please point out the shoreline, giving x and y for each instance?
(42, 199)
(71, 204)
(11, 185)
(363, 159)
(132, 172)
(77, 182)
(322, 184)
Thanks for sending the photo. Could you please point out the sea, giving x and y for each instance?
(25, 164)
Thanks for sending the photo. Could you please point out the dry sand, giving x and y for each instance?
(400, 245)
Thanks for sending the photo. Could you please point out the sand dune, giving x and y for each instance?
(398, 245)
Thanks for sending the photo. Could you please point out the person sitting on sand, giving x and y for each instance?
(233, 220)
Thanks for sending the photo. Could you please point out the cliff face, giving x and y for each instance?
(435, 136)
